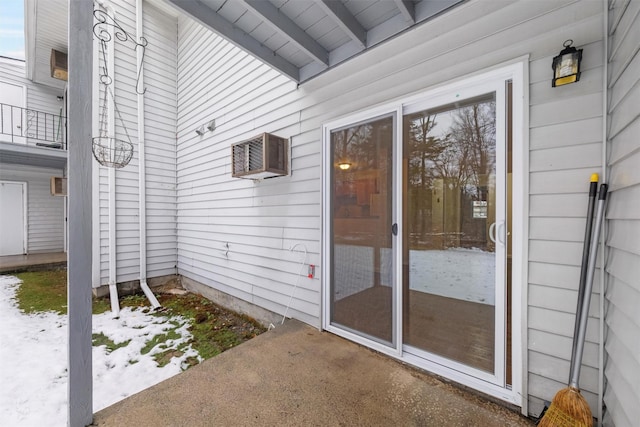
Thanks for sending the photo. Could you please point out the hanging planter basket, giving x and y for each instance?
(112, 152)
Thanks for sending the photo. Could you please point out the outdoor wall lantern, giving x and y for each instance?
(566, 66)
(344, 165)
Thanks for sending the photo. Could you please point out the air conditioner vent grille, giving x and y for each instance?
(58, 63)
(58, 186)
(263, 156)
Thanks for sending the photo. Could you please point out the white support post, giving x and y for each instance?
(111, 114)
(80, 386)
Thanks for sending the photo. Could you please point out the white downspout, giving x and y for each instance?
(603, 246)
(113, 288)
(95, 171)
(141, 163)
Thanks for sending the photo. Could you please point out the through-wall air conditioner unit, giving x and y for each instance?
(58, 186)
(59, 65)
(264, 156)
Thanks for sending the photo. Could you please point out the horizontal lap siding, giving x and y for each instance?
(126, 128)
(39, 97)
(217, 81)
(160, 73)
(622, 296)
(160, 140)
(45, 213)
(233, 234)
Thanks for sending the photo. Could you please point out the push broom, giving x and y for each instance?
(593, 194)
(569, 408)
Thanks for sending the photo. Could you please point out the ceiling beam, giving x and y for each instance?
(345, 20)
(216, 23)
(407, 10)
(287, 28)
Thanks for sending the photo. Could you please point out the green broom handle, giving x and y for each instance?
(593, 193)
(584, 313)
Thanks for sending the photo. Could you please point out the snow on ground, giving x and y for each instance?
(33, 360)
(465, 274)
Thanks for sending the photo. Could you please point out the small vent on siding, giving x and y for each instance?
(58, 64)
(58, 186)
(263, 156)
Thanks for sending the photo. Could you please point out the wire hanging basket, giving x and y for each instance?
(112, 152)
(107, 150)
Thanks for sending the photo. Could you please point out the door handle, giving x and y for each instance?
(394, 229)
(500, 234)
(497, 236)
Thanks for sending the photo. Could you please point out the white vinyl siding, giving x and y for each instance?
(259, 222)
(160, 73)
(49, 37)
(565, 149)
(160, 65)
(622, 296)
(127, 200)
(38, 97)
(45, 213)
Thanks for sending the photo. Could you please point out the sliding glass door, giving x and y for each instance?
(418, 234)
(361, 246)
(454, 240)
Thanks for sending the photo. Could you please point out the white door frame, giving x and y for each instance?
(516, 393)
(25, 215)
(19, 139)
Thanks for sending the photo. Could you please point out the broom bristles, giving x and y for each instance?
(568, 409)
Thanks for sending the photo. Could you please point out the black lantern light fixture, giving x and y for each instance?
(566, 66)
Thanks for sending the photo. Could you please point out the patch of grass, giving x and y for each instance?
(214, 329)
(101, 305)
(134, 301)
(163, 358)
(162, 338)
(42, 291)
(101, 339)
(210, 341)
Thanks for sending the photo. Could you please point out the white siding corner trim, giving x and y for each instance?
(621, 294)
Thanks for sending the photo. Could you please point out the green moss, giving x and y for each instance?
(209, 342)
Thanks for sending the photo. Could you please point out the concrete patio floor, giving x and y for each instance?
(296, 375)
(31, 262)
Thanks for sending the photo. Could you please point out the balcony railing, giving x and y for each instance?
(31, 127)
